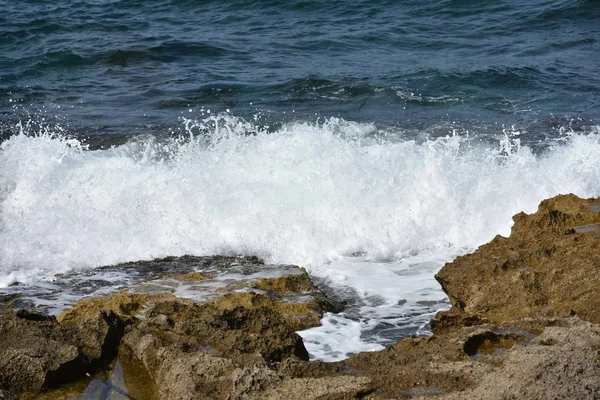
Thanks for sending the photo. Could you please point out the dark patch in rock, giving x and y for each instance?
(31, 316)
(488, 343)
(334, 299)
(97, 336)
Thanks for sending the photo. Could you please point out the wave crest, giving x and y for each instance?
(305, 194)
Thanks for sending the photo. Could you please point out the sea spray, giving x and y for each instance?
(305, 194)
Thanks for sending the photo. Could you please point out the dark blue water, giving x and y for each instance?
(128, 67)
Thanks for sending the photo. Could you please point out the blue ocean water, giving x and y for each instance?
(120, 66)
(368, 141)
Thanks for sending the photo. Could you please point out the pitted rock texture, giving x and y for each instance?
(37, 353)
(547, 267)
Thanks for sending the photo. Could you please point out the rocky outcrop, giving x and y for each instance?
(561, 363)
(225, 282)
(216, 344)
(524, 324)
(37, 353)
(217, 329)
(548, 267)
(558, 359)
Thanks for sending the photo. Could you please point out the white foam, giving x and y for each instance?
(337, 338)
(394, 299)
(12, 278)
(307, 194)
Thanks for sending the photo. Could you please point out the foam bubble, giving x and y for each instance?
(387, 301)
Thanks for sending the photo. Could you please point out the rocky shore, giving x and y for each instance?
(523, 325)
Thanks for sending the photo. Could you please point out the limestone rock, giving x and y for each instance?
(37, 353)
(233, 332)
(549, 266)
(33, 352)
(197, 351)
(561, 363)
(226, 282)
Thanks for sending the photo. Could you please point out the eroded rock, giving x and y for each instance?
(218, 331)
(37, 353)
(561, 363)
(232, 332)
(546, 268)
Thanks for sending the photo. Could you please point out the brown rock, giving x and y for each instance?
(33, 352)
(194, 350)
(177, 370)
(547, 267)
(405, 369)
(330, 388)
(298, 283)
(97, 336)
(226, 282)
(225, 344)
(562, 363)
(300, 315)
(182, 369)
(452, 320)
(235, 332)
(37, 353)
(124, 304)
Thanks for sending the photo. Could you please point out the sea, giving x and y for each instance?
(368, 141)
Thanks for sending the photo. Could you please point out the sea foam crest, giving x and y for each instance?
(308, 193)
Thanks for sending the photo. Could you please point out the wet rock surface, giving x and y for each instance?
(524, 324)
(37, 353)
